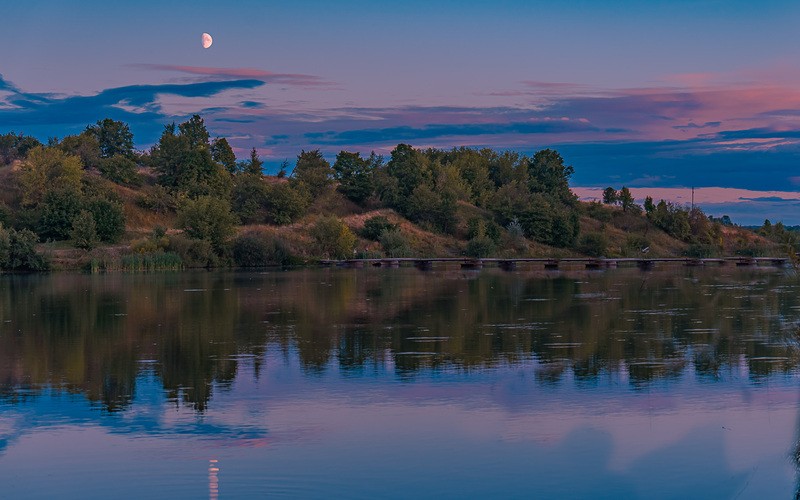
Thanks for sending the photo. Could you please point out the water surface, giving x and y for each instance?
(671, 383)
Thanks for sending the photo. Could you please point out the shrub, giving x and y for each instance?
(84, 231)
(18, 251)
(593, 244)
(515, 229)
(109, 219)
(59, 210)
(257, 250)
(374, 226)
(489, 228)
(157, 199)
(333, 238)
(699, 251)
(395, 243)
(481, 246)
(160, 261)
(285, 203)
(208, 218)
(121, 170)
(194, 252)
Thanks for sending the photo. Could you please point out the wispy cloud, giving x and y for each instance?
(293, 79)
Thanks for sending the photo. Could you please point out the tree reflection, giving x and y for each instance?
(92, 334)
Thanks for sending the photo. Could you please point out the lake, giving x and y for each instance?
(399, 383)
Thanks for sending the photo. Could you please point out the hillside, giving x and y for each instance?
(91, 201)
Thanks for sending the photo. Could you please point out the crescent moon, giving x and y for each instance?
(207, 40)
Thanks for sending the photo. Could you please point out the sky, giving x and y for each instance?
(658, 96)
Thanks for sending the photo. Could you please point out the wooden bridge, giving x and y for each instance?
(554, 263)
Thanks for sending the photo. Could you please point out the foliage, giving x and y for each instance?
(195, 253)
(548, 174)
(333, 238)
(113, 137)
(58, 211)
(255, 166)
(85, 146)
(515, 229)
(109, 218)
(286, 202)
(18, 251)
(184, 163)
(395, 243)
(222, 153)
(15, 147)
(313, 171)
(208, 218)
(626, 199)
(256, 250)
(158, 261)
(356, 174)
(120, 169)
(481, 244)
(249, 198)
(157, 199)
(84, 231)
(699, 251)
(597, 211)
(45, 169)
(610, 196)
(593, 244)
(374, 226)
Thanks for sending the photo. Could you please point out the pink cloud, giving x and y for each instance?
(701, 195)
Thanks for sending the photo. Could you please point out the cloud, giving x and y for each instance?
(293, 79)
(436, 131)
(692, 125)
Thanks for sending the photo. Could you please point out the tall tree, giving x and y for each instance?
(194, 130)
(313, 171)
(114, 138)
(610, 196)
(255, 166)
(626, 199)
(356, 174)
(549, 175)
(222, 153)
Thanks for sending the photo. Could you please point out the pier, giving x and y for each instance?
(511, 264)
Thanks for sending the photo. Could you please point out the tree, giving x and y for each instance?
(255, 165)
(356, 174)
(194, 130)
(84, 231)
(649, 206)
(313, 171)
(208, 218)
(548, 174)
(45, 169)
(15, 147)
(85, 146)
(333, 238)
(610, 196)
(222, 153)
(59, 209)
(626, 199)
(114, 138)
(109, 219)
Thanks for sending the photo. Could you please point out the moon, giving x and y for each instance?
(207, 40)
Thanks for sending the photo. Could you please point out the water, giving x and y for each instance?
(397, 383)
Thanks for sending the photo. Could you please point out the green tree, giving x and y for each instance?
(84, 231)
(313, 171)
(59, 209)
(356, 174)
(114, 138)
(120, 169)
(15, 147)
(250, 198)
(194, 130)
(286, 202)
(222, 153)
(333, 238)
(610, 196)
(45, 169)
(85, 146)
(255, 166)
(109, 218)
(208, 218)
(626, 199)
(649, 206)
(548, 174)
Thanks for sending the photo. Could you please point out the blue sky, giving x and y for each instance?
(646, 94)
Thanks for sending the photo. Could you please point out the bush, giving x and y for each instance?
(59, 210)
(374, 226)
(18, 251)
(121, 170)
(285, 203)
(195, 253)
(395, 244)
(333, 238)
(109, 219)
(699, 251)
(481, 246)
(157, 199)
(84, 231)
(593, 244)
(258, 250)
(489, 228)
(208, 218)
